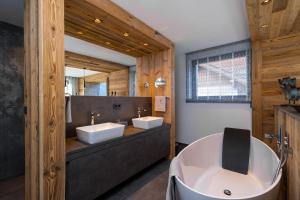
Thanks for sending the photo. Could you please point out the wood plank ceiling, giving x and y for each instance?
(81, 61)
(90, 23)
(269, 19)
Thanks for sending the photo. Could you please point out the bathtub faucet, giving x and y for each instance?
(284, 150)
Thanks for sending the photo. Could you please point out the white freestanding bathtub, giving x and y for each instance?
(203, 177)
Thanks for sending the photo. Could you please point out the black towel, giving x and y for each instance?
(236, 150)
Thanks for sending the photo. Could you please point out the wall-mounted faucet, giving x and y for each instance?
(93, 115)
(284, 150)
(140, 110)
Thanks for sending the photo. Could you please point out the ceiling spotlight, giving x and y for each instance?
(264, 26)
(108, 43)
(146, 44)
(80, 33)
(126, 34)
(98, 21)
(265, 2)
(128, 50)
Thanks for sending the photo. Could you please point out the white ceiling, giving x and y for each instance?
(193, 24)
(89, 49)
(75, 72)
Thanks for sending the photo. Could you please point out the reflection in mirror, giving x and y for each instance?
(85, 82)
(92, 70)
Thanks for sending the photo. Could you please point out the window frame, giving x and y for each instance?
(218, 51)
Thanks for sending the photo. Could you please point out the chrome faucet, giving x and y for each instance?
(284, 150)
(93, 115)
(140, 110)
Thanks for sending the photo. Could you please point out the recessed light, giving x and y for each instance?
(128, 50)
(98, 21)
(80, 33)
(265, 2)
(264, 26)
(108, 43)
(146, 44)
(126, 34)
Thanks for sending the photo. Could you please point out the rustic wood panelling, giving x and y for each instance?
(119, 83)
(96, 64)
(97, 78)
(148, 69)
(274, 19)
(272, 60)
(116, 29)
(256, 90)
(288, 120)
(44, 99)
(293, 164)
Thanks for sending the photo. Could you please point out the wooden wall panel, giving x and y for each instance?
(119, 82)
(97, 78)
(272, 60)
(287, 119)
(293, 163)
(148, 69)
(256, 90)
(44, 99)
(96, 64)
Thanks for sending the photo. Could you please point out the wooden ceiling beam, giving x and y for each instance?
(125, 17)
(253, 23)
(110, 30)
(81, 61)
(279, 5)
(274, 19)
(291, 14)
(265, 23)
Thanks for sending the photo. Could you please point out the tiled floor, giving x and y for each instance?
(13, 189)
(148, 185)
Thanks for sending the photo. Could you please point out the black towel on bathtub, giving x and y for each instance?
(236, 150)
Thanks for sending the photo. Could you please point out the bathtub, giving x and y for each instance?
(203, 178)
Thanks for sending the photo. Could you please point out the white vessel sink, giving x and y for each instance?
(147, 122)
(99, 132)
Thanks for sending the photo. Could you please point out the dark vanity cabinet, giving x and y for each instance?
(92, 170)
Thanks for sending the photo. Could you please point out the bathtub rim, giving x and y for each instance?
(271, 187)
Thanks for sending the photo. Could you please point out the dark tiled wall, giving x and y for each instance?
(11, 101)
(82, 106)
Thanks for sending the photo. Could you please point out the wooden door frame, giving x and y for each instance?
(44, 100)
(44, 92)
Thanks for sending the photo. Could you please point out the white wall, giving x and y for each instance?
(196, 120)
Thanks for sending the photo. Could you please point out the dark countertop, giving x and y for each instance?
(73, 145)
(293, 110)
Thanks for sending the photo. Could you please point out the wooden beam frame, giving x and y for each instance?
(81, 61)
(44, 90)
(121, 14)
(44, 100)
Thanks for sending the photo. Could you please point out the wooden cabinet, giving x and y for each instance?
(288, 120)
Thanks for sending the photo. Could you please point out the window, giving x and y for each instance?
(220, 74)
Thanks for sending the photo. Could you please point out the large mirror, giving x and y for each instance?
(92, 70)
